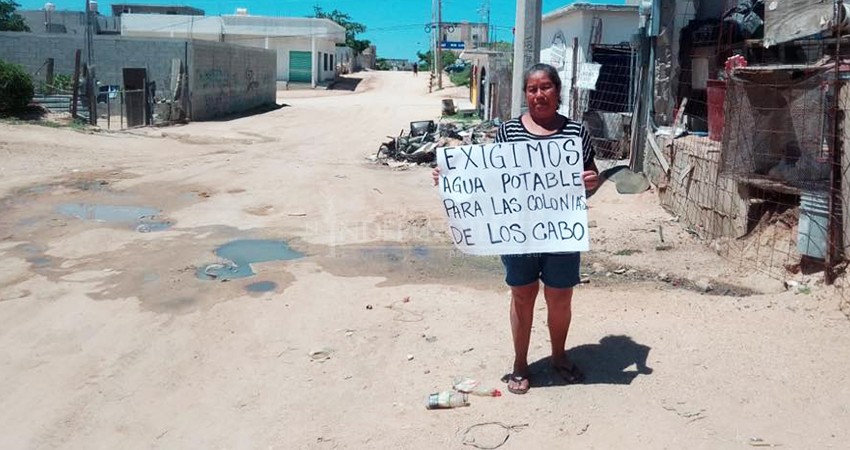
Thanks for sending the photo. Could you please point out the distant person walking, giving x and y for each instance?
(415, 70)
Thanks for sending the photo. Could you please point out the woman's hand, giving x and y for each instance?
(436, 175)
(591, 179)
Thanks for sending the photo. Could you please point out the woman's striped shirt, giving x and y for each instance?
(514, 131)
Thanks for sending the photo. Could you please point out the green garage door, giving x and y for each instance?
(300, 68)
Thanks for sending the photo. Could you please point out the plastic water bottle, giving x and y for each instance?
(447, 399)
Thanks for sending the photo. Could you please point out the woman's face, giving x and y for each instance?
(542, 95)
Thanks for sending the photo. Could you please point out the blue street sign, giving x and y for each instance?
(452, 45)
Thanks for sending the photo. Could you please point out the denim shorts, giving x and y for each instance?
(556, 270)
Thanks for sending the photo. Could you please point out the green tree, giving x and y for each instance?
(461, 78)
(9, 19)
(424, 60)
(352, 29)
(382, 64)
(427, 58)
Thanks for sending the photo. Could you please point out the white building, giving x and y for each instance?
(206, 28)
(588, 25)
(472, 35)
(306, 47)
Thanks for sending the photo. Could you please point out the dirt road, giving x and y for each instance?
(110, 337)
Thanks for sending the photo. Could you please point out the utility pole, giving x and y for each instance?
(89, 38)
(488, 23)
(91, 8)
(526, 47)
(439, 57)
(484, 12)
(435, 40)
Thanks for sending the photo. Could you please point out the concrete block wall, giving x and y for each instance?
(111, 55)
(224, 78)
(114, 54)
(227, 79)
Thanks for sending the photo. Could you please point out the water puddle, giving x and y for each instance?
(237, 256)
(261, 287)
(34, 255)
(39, 262)
(143, 219)
(446, 265)
(150, 278)
(401, 264)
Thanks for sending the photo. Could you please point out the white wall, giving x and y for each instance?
(211, 28)
(283, 45)
(207, 28)
(557, 37)
(617, 27)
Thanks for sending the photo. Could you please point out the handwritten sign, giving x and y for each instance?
(515, 198)
(588, 74)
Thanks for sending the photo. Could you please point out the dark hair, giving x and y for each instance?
(550, 71)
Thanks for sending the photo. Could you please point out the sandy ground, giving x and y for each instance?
(109, 340)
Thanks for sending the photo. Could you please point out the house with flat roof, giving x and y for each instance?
(305, 47)
(593, 35)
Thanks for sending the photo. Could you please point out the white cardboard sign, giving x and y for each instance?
(588, 75)
(515, 198)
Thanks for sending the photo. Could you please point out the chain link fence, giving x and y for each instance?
(64, 98)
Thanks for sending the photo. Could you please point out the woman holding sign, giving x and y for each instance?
(559, 272)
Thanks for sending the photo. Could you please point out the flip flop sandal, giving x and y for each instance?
(518, 379)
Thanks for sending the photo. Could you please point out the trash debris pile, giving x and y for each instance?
(419, 145)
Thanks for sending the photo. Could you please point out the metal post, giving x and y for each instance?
(526, 48)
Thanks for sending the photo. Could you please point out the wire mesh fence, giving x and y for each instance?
(55, 94)
(607, 109)
(63, 98)
(743, 138)
(747, 139)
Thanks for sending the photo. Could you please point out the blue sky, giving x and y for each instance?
(396, 27)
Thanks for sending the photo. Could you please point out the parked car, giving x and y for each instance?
(458, 66)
